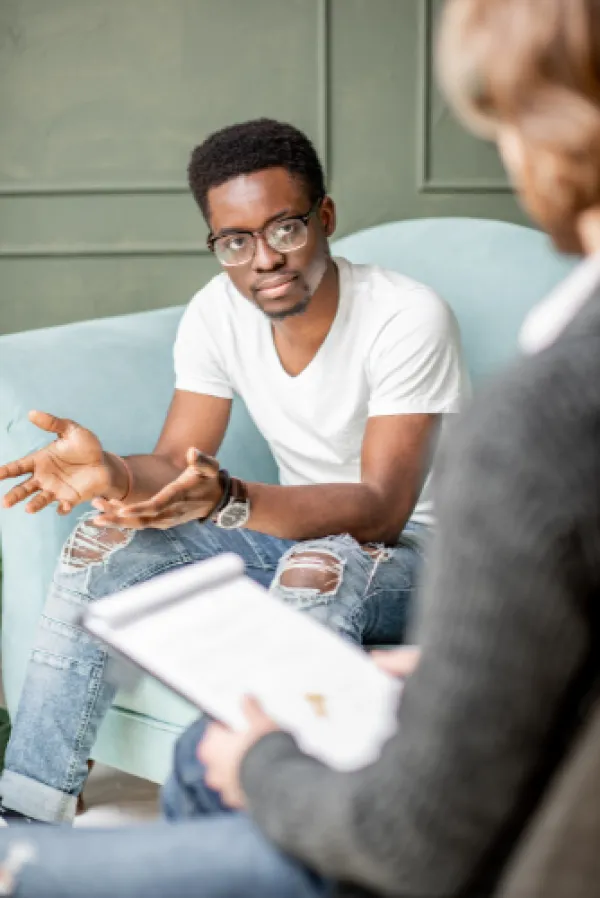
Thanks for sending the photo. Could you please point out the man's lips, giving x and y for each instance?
(275, 288)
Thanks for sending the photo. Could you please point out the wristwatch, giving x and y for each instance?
(233, 510)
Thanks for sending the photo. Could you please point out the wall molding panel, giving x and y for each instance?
(102, 102)
(426, 181)
(323, 141)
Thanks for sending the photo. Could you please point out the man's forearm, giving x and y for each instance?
(147, 475)
(310, 512)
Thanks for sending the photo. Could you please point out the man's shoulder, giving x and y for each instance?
(218, 307)
(216, 291)
(385, 295)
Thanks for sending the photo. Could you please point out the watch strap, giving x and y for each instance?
(225, 482)
(238, 499)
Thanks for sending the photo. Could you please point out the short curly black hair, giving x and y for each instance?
(250, 147)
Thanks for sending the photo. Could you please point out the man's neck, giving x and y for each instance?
(310, 328)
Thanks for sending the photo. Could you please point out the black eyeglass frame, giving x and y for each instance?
(212, 238)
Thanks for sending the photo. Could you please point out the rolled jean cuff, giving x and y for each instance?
(37, 800)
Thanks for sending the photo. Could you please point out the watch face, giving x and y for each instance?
(234, 515)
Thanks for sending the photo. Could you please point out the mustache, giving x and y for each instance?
(274, 279)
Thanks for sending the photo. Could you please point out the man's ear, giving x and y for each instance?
(327, 216)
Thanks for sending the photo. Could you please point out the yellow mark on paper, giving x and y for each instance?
(318, 703)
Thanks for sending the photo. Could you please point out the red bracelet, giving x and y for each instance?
(129, 473)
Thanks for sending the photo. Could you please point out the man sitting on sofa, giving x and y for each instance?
(346, 371)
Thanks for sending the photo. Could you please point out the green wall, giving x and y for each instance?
(102, 100)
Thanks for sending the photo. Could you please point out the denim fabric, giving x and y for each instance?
(185, 794)
(68, 687)
(221, 856)
(205, 850)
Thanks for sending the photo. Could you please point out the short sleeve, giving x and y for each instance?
(416, 364)
(197, 352)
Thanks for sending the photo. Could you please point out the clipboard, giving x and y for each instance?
(213, 635)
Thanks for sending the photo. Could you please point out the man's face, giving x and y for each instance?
(279, 284)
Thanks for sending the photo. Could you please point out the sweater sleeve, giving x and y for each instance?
(505, 642)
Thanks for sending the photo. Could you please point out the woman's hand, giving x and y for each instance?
(400, 662)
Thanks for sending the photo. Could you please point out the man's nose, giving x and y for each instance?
(265, 257)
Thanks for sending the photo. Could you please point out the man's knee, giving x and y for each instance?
(310, 573)
(89, 545)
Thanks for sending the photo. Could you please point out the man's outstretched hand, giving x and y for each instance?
(70, 470)
(191, 496)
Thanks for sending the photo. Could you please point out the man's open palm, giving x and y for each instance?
(69, 470)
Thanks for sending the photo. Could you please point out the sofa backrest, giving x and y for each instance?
(490, 272)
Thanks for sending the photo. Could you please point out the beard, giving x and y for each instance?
(297, 309)
(309, 282)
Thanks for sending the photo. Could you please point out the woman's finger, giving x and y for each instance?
(400, 662)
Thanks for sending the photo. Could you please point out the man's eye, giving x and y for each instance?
(286, 229)
(235, 243)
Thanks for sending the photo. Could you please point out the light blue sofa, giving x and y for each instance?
(115, 376)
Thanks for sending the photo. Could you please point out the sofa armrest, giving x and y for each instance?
(114, 376)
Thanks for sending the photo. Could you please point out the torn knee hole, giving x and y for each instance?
(89, 545)
(320, 570)
(377, 552)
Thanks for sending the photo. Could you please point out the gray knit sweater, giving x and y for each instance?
(509, 626)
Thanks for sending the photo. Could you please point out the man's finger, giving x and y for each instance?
(51, 423)
(40, 501)
(17, 468)
(20, 492)
(105, 505)
(206, 464)
(174, 510)
(108, 519)
(157, 502)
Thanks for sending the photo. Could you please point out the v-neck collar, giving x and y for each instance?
(344, 275)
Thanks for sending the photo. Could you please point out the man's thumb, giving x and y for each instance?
(208, 465)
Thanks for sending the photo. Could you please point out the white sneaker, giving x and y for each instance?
(106, 817)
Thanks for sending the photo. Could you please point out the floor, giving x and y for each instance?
(113, 798)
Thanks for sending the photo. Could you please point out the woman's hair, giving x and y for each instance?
(533, 65)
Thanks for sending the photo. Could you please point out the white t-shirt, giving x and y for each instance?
(393, 349)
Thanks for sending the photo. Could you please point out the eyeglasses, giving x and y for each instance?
(284, 235)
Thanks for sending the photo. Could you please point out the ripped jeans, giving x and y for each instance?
(363, 593)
